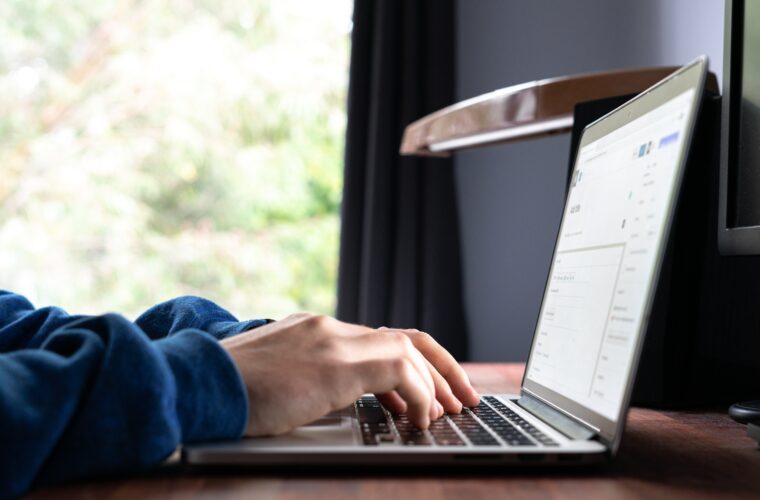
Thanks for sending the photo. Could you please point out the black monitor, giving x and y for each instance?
(739, 216)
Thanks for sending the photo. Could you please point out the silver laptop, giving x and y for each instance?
(574, 398)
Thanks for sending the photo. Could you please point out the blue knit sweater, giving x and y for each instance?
(82, 396)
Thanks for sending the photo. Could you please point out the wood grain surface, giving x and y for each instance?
(665, 454)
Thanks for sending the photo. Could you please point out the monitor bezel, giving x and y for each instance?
(732, 240)
(690, 76)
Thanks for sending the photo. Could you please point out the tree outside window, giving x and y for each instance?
(158, 148)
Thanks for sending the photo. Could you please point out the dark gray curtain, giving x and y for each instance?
(399, 256)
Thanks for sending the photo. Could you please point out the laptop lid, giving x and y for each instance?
(608, 254)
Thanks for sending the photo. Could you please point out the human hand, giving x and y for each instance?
(305, 366)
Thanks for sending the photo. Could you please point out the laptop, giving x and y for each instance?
(575, 393)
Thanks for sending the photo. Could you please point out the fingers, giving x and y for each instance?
(399, 374)
(443, 393)
(384, 345)
(392, 402)
(447, 385)
(435, 409)
(445, 364)
(395, 403)
(392, 345)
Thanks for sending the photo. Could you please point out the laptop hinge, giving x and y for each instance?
(555, 418)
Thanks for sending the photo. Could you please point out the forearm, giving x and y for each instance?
(99, 397)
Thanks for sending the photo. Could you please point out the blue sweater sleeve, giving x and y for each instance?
(178, 314)
(83, 396)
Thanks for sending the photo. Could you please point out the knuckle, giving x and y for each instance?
(317, 321)
(402, 340)
(401, 367)
(407, 373)
(406, 370)
(394, 335)
(408, 346)
(419, 336)
(425, 336)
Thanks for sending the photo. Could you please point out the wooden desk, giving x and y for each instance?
(664, 455)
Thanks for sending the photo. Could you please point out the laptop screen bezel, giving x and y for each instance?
(691, 76)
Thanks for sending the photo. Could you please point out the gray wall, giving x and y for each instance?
(511, 196)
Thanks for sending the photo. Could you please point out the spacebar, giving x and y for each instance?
(415, 439)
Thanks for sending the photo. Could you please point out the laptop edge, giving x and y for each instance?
(586, 435)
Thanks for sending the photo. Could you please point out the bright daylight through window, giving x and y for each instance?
(158, 148)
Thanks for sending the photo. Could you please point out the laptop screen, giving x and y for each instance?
(606, 258)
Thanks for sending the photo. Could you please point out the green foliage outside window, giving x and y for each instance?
(157, 148)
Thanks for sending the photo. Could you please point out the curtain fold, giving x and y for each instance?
(400, 250)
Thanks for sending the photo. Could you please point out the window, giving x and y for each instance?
(158, 148)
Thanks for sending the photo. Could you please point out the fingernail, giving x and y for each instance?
(440, 409)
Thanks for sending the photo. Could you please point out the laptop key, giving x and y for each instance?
(368, 413)
(385, 438)
(376, 428)
(444, 434)
(472, 429)
(415, 438)
(373, 422)
(502, 427)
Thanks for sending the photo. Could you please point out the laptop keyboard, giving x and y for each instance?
(491, 423)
